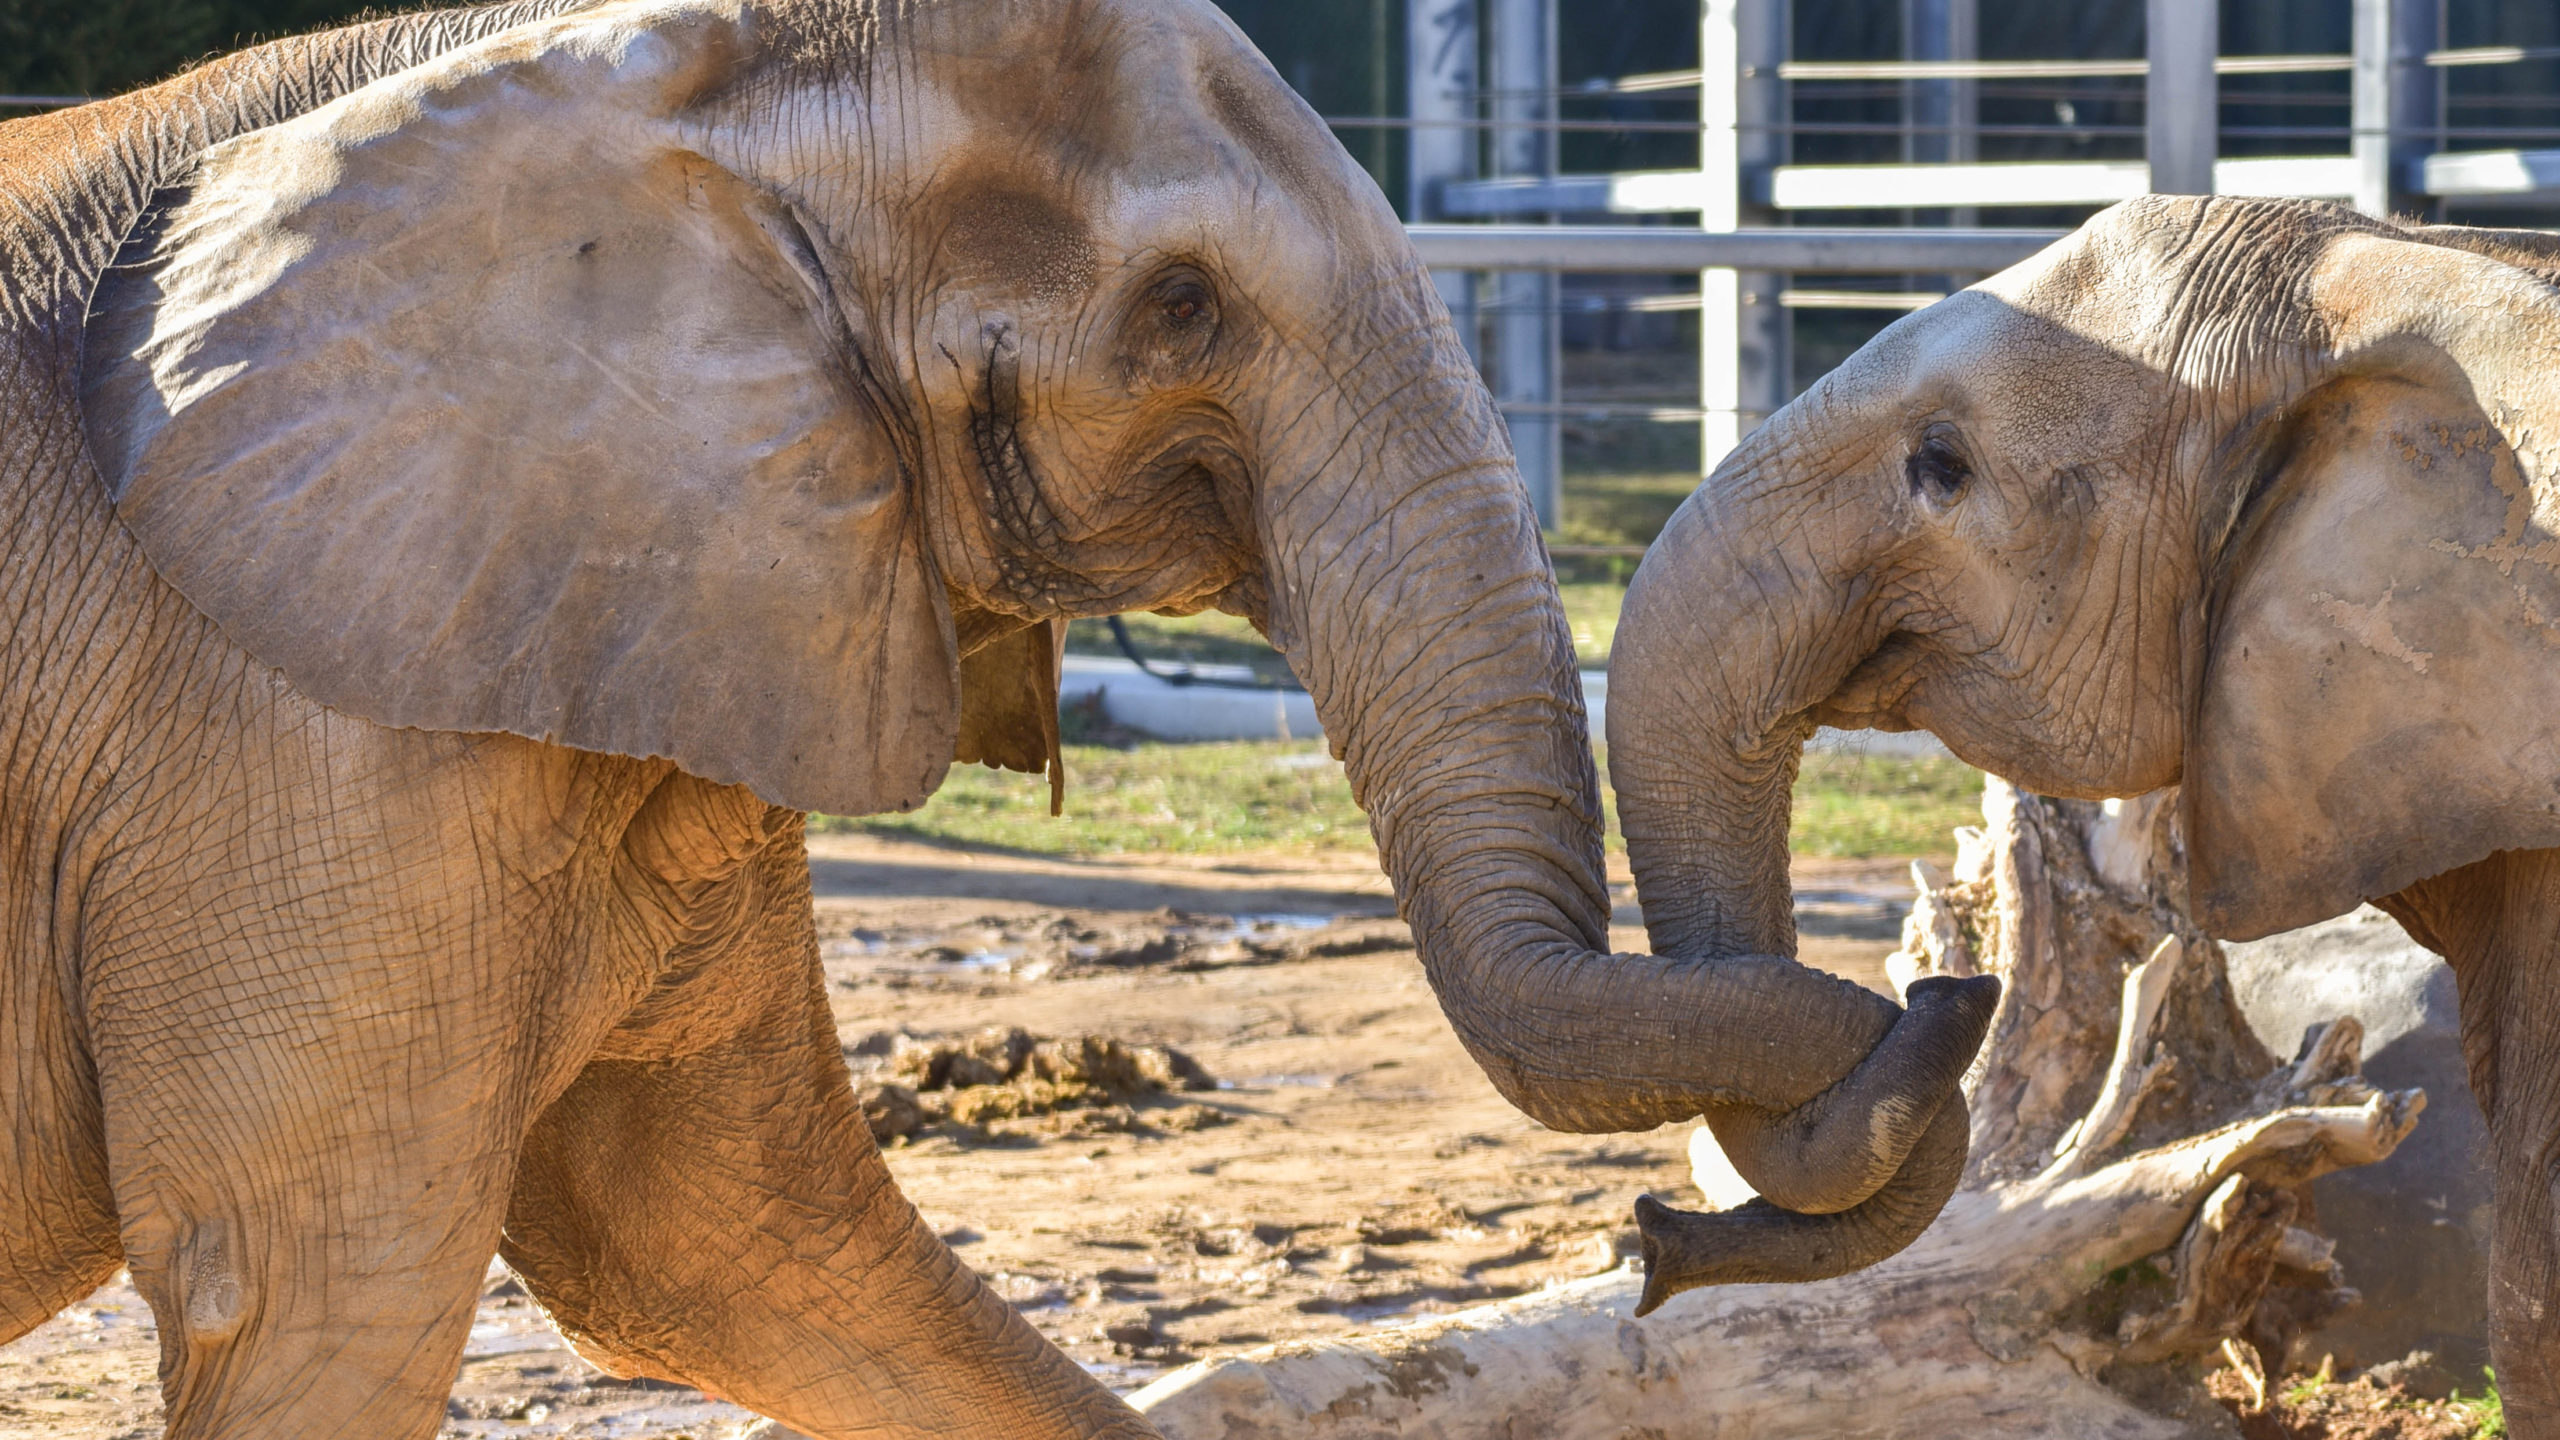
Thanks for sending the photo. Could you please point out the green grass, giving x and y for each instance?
(1186, 799)
(2488, 1411)
(1591, 611)
(1287, 795)
(1860, 806)
(1621, 509)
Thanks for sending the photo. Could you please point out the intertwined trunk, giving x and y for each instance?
(1433, 642)
(2138, 1203)
(1727, 643)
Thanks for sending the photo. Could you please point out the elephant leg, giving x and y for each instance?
(57, 1215)
(2498, 923)
(722, 1218)
(310, 1117)
(312, 1254)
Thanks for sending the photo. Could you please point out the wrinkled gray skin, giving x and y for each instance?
(2254, 497)
(496, 487)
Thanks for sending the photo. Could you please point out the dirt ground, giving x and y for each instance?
(1350, 1168)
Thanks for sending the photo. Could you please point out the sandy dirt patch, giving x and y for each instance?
(1351, 1168)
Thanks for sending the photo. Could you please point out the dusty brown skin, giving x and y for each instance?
(2257, 496)
(473, 480)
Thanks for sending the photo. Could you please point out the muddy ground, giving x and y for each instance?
(1346, 1167)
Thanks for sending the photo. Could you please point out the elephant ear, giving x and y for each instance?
(1009, 706)
(475, 400)
(2381, 697)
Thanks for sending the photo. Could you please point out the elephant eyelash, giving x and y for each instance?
(1172, 328)
(1936, 472)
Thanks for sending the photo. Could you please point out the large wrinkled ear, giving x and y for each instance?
(1009, 705)
(2381, 699)
(477, 401)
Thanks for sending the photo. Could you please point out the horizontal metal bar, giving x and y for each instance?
(1597, 552)
(42, 102)
(2046, 69)
(1660, 249)
(1960, 69)
(1399, 122)
(2037, 182)
(1588, 304)
(1604, 410)
(1860, 299)
(2488, 172)
(2493, 55)
(1804, 127)
(1633, 192)
(1656, 80)
(2038, 69)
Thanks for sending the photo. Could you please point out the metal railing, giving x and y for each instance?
(1643, 249)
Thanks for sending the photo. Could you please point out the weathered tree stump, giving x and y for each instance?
(2137, 1198)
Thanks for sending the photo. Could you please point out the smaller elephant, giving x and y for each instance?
(2260, 498)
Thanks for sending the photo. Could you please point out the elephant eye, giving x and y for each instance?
(1184, 302)
(1170, 329)
(1936, 470)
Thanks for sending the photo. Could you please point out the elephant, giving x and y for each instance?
(2253, 497)
(478, 478)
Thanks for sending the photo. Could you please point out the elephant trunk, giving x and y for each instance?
(1726, 644)
(1466, 743)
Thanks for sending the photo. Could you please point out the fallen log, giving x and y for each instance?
(2136, 1204)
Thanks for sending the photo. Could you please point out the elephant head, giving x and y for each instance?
(760, 386)
(2255, 496)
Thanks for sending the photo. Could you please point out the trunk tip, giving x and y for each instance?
(1958, 1008)
(1691, 1249)
(1657, 1283)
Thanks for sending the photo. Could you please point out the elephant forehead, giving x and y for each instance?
(1985, 358)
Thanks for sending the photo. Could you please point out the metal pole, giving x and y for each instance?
(1440, 85)
(2369, 103)
(2394, 97)
(1527, 351)
(1742, 331)
(1381, 57)
(2180, 100)
(2417, 92)
(1944, 112)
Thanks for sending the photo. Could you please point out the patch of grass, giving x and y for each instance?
(1184, 799)
(1621, 508)
(1861, 806)
(1591, 610)
(2487, 1411)
(1290, 795)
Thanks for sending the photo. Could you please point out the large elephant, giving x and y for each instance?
(474, 478)
(2257, 497)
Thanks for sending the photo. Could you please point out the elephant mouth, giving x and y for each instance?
(1186, 530)
(1877, 692)
(1174, 531)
